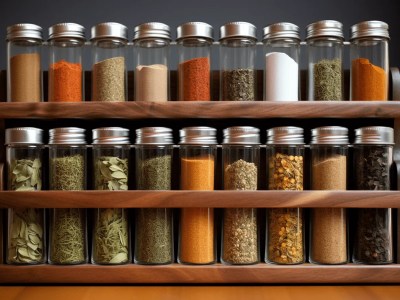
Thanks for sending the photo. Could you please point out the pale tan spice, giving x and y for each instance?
(151, 83)
(109, 80)
(330, 173)
(240, 175)
(286, 172)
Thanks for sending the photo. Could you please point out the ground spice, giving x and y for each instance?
(238, 85)
(65, 82)
(154, 173)
(194, 79)
(328, 80)
(109, 80)
(151, 83)
(330, 173)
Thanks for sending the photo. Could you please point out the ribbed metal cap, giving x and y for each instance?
(154, 136)
(67, 136)
(330, 135)
(376, 135)
(152, 30)
(238, 29)
(24, 135)
(67, 30)
(287, 135)
(242, 135)
(325, 28)
(369, 29)
(195, 29)
(109, 30)
(110, 135)
(24, 31)
(199, 135)
(281, 30)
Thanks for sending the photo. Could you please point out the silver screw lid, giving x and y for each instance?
(369, 29)
(198, 135)
(67, 30)
(281, 30)
(241, 135)
(325, 28)
(330, 135)
(195, 29)
(375, 135)
(109, 30)
(110, 135)
(67, 136)
(152, 30)
(287, 135)
(24, 136)
(238, 29)
(154, 136)
(24, 31)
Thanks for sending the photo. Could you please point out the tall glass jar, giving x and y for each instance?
(24, 74)
(26, 241)
(151, 54)
(282, 52)
(67, 172)
(237, 61)
(325, 61)
(369, 56)
(66, 41)
(328, 228)
(373, 158)
(109, 54)
(111, 243)
(194, 47)
(241, 154)
(197, 158)
(285, 226)
(154, 242)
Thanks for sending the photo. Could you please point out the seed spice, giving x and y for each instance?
(328, 80)
(238, 85)
(109, 80)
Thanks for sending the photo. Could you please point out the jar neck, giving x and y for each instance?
(152, 43)
(239, 42)
(109, 43)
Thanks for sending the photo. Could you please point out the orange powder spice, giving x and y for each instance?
(194, 80)
(65, 82)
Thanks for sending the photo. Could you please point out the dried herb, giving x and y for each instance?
(286, 172)
(238, 85)
(155, 173)
(240, 175)
(68, 173)
(328, 80)
(111, 173)
(25, 175)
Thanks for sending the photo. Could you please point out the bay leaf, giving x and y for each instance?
(118, 175)
(116, 168)
(34, 239)
(32, 246)
(37, 163)
(120, 257)
(36, 228)
(113, 160)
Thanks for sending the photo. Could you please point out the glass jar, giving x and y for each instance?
(66, 41)
(373, 159)
(109, 54)
(369, 56)
(328, 226)
(154, 242)
(151, 54)
(26, 242)
(285, 226)
(24, 75)
(194, 41)
(111, 243)
(241, 154)
(282, 51)
(237, 61)
(197, 158)
(67, 172)
(325, 62)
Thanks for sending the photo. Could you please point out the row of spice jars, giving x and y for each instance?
(325, 40)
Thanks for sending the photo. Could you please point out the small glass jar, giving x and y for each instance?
(151, 54)
(328, 226)
(194, 41)
(26, 242)
(285, 226)
(373, 159)
(154, 241)
(197, 232)
(281, 51)
(66, 41)
(237, 62)
(241, 154)
(111, 243)
(67, 172)
(369, 56)
(109, 54)
(24, 75)
(325, 61)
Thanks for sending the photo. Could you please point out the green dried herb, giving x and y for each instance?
(155, 173)
(68, 173)
(328, 80)
(238, 85)
(111, 173)
(26, 175)
(240, 175)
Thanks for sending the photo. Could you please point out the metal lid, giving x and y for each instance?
(325, 28)
(110, 135)
(109, 30)
(377, 135)
(24, 31)
(67, 135)
(67, 30)
(152, 30)
(330, 135)
(195, 29)
(242, 135)
(369, 29)
(24, 135)
(238, 29)
(287, 135)
(281, 30)
(154, 136)
(199, 135)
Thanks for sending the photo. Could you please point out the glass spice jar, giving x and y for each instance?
(67, 172)
(237, 62)
(197, 161)
(109, 54)
(285, 226)
(373, 159)
(328, 226)
(24, 75)
(154, 241)
(241, 154)
(325, 61)
(369, 56)
(111, 243)
(194, 41)
(26, 242)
